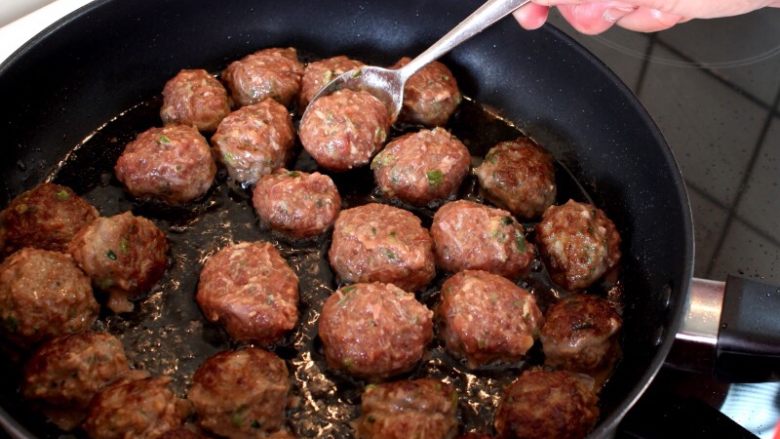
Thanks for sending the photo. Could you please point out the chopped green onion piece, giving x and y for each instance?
(389, 254)
(520, 241)
(164, 139)
(294, 174)
(111, 255)
(435, 177)
(124, 245)
(62, 195)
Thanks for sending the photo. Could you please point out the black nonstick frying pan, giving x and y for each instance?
(110, 56)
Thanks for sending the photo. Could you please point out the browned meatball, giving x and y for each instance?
(47, 217)
(182, 433)
(241, 394)
(43, 294)
(254, 140)
(193, 97)
(380, 243)
(144, 408)
(269, 73)
(430, 96)
(65, 373)
(486, 317)
(542, 404)
(124, 255)
(424, 408)
(345, 129)
(580, 333)
(421, 167)
(297, 203)
(518, 176)
(172, 164)
(578, 242)
(474, 435)
(374, 330)
(249, 289)
(319, 73)
(469, 235)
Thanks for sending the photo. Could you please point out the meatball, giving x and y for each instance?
(345, 129)
(254, 140)
(423, 408)
(580, 333)
(47, 217)
(421, 167)
(249, 289)
(172, 164)
(380, 243)
(579, 244)
(193, 97)
(181, 433)
(43, 294)
(141, 408)
(485, 317)
(65, 373)
(469, 235)
(518, 176)
(269, 73)
(125, 255)
(297, 203)
(543, 404)
(319, 73)
(374, 330)
(430, 96)
(241, 393)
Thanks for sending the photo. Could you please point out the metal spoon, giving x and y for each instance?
(388, 84)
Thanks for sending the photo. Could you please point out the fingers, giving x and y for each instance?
(595, 18)
(649, 20)
(531, 16)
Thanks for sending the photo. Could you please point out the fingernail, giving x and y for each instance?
(612, 15)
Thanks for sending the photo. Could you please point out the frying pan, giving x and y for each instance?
(112, 54)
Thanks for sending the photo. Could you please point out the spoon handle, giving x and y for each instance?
(479, 20)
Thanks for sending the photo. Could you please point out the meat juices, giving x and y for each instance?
(43, 294)
(467, 298)
(543, 404)
(579, 244)
(297, 203)
(345, 129)
(144, 408)
(374, 330)
(319, 73)
(172, 164)
(269, 73)
(430, 96)
(519, 176)
(250, 290)
(254, 140)
(46, 217)
(472, 236)
(423, 408)
(381, 243)
(241, 394)
(194, 98)
(422, 167)
(124, 255)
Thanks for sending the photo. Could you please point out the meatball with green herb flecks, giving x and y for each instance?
(269, 73)
(430, 96)
(193, 97)
(319, 73)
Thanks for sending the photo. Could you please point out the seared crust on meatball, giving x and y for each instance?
(124, 255)
(578, 242)
(468, 298)
(319, 73)
(181, 433)
(254, 140)
(47, 216)
(580, 333)
(297, 203)
(172, 164)
(43, 294)
(424, 408)
(381, 243)
(345, 129)
(421, 167)
(470, 235)
(374, 330)
(544, 404)
(518, 176)
(195, 98)
(133, 409)
(241, 394)
(269, 73)
(430, 96)
(249, 289)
